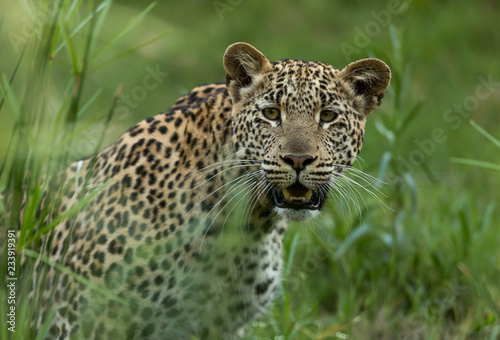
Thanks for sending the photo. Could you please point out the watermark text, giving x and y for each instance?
(11, 280)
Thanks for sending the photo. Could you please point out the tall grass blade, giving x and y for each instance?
(385, 162)
(130, 50)
(130, 24)
(410, 116)
(83, 24)
(72, 211)
(97, 288)
(353, 237)
(473, 162)
(10, 97)
(485, 134)
(410, 182)
(487, 217)
(291, 254)
(384, 131)
(480, 288)
(47, 322)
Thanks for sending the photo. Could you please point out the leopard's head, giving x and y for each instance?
(300, 122)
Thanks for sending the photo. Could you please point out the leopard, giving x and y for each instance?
(182, 233)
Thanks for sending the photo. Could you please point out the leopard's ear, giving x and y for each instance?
(243, 63)
(368, 79)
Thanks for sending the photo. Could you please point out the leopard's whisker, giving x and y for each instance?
(369, 179)
(218, 173)
(219, 164)
(229, 193)
(354, 184)
(262, 189)
(250, 188)
(352, 193)
(231, 182)
(345, 194)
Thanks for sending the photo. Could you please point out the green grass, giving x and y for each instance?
(47, 119)
(426, 267)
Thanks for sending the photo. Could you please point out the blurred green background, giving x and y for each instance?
(426, 267)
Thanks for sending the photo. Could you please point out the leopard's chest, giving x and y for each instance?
(229, 281)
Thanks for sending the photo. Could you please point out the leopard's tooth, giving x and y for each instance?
(308, 195)
(286, 194)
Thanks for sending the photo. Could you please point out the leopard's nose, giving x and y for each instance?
(298, 162)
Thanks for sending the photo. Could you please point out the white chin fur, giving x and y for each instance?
(297, 215)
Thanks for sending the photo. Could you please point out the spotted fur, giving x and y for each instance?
(186, 227)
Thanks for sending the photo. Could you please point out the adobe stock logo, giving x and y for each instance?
(139, 93)
(127, 101)
(222, 6)
(456, 115)
(36, 16)
(363, 37)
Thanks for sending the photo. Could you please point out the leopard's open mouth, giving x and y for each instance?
(298, 197)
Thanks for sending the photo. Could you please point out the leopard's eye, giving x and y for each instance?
(328, 116)
(271, 113)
